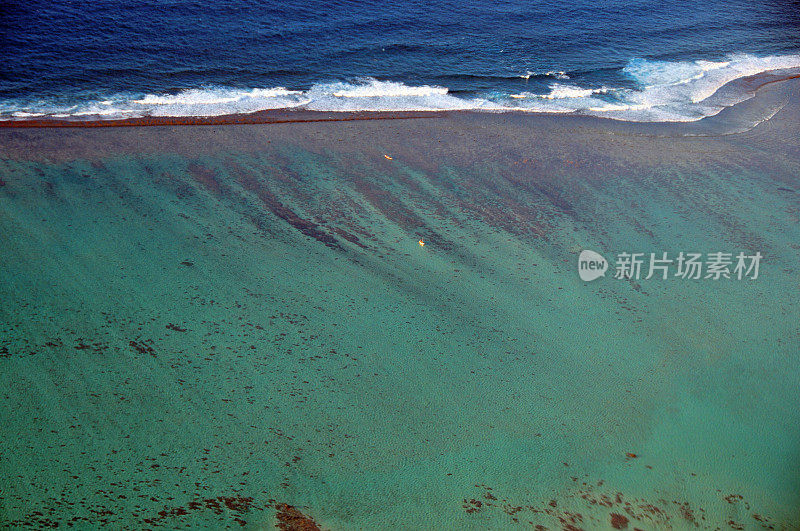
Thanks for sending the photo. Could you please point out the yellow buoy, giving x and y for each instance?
(422, 243)
(388, 157)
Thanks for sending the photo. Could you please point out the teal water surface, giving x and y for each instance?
(194, 337)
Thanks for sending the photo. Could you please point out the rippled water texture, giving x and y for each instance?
(200, 325)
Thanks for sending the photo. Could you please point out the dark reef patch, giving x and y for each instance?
(291, 519)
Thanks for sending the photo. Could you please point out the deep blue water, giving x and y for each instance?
(104, 57)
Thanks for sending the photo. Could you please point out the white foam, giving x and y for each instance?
(215, 101)
(663, 91)
(559, 91)
(372, 88)
(680, 91)
(106, 112)
(22, 114)
(215, 96)
(369, 94)
(558, 74)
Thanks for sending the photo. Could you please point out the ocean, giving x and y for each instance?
(347, 320)
(642, 60)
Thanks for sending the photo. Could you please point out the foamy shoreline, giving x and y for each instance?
(691, 96)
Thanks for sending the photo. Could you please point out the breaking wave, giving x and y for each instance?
(655, 91)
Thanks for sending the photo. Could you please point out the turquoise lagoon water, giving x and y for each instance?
(196, 331)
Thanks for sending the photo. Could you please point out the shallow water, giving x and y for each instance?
(199, 324)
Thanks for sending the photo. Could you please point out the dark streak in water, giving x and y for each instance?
(305, 226)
